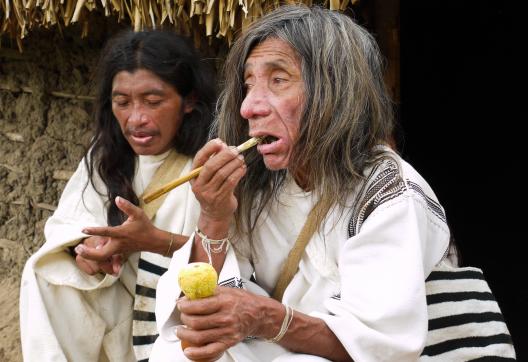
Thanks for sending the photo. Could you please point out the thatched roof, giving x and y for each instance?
(199, 18)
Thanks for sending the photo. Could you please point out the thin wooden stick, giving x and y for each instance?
(173, 184)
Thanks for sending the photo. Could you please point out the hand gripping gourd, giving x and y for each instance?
(197, 280)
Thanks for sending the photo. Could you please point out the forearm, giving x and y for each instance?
(311, 335)
(165, 243)
(305, 334)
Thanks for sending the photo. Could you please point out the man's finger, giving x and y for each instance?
(218, 167)
(107, 267)
(101, 254)
(207, 151)
(210, 352)
(108, 231)
(226, 179)
(87, 266)
(117, 261)
(203, 306)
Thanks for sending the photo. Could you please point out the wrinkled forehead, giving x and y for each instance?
(272, 52)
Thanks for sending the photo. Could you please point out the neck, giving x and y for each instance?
(157, 157)
(301, 178)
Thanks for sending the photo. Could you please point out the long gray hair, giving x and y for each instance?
(347, 111)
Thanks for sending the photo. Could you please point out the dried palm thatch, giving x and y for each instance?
(199, 18)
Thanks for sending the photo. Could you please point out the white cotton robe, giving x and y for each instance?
(368, 288)
(67, 315)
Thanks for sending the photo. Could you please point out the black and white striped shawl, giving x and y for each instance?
(144, 331)
(465, 321)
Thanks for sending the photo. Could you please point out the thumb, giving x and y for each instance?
(131, 210)
(117, 261)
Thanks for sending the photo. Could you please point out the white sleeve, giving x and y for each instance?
(381, 314)
(80, 206)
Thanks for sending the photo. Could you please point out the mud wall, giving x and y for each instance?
(43, 133)
(45, 111)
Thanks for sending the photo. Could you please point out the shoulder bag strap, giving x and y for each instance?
(291, 265)
(170, 169)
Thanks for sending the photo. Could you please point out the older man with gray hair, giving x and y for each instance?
(332, 232)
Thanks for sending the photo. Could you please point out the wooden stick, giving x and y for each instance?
(173, 184)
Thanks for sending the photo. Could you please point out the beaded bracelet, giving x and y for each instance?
(212, 245)
(285, 324)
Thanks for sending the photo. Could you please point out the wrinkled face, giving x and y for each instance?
(149, 110)
(274, 100)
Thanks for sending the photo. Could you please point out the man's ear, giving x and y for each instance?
(188, 103)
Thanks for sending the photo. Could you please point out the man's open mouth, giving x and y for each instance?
(269, 139)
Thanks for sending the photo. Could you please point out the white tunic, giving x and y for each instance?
(67, 315)
(368, 288)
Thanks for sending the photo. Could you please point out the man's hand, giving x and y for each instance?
(218, 322)
(223, 167)
(214, 188)
(116, 243)
(91, 267)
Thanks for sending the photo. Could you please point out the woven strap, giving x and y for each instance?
(291, 265)
(151, 265)
(169, 170)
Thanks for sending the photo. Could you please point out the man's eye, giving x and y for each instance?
(153, 102)
(120, 102)
(247, 87)
(279, 82)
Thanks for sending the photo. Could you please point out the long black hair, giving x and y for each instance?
(173, 59)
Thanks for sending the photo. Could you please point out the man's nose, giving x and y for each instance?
(256, 103)
(137, 115)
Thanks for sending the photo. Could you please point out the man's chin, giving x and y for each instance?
(146, 151)
(274, 164)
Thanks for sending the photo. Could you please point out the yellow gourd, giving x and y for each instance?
(197, 280)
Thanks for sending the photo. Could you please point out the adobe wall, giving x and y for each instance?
(43, 134)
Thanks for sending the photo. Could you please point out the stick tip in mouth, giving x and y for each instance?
(250, 143)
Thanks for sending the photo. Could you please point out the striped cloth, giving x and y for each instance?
(150, 267)
(465, 321)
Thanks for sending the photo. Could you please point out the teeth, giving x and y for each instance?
(269, 139)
